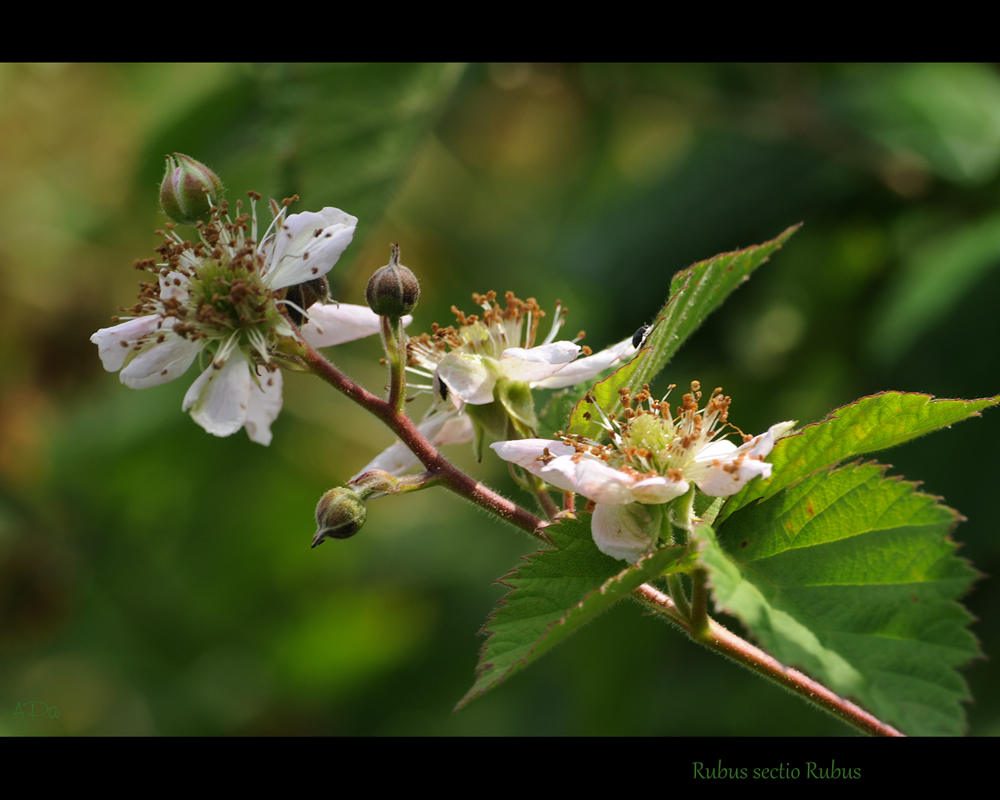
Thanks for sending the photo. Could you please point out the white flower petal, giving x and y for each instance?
(537, 363)
(457, 430)
(763, 444)
(220, 398)
(174, 287)
(721, 469)
(781, 429)
(396, 459)
(114, 345)
(161, 362)
(440, 428)
(585, 474)
(590, 477)
(331, 323)
(625, 532)
(264, 406)
(725, 478)
(759, 446)
(723, 448)
(440, 389)
(525, 452)
(659, 489)
(469, 377)
(589, 367)
(308, 245)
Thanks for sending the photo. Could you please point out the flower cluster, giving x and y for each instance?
(225, 295)
(482, 370)
(654, 457)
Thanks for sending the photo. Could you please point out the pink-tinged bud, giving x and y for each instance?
(339, 515)
(377, 482)
(189, 190)
(393, 290)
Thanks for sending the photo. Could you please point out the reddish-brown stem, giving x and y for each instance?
(727, 643)
(435, 463)
(544, 499)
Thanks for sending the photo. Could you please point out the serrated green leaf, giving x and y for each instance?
(864, 426)
(553, 594)
(852, 576)
(605, 397)
(695, 293)
(553, 417)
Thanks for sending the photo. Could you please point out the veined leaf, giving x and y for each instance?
(865, 426)
(553, 594)
(852, 576)
(605, 397)
(695, 293)
(557, 410)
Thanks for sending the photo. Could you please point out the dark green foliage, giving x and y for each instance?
(553, 594)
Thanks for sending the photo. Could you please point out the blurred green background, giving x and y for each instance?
(157, 580)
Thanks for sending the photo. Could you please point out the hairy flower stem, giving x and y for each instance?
(700, 629)
(544, 498)
(536, 486)
(569, 501)
(395, 349)
(678, 595)
(435, 463)
(728, 644)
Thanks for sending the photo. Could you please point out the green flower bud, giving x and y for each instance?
(339, 515)
(189, 190)
(393, 290)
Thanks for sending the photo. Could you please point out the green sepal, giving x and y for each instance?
(515, 397)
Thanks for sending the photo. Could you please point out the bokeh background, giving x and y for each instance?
(157, 580)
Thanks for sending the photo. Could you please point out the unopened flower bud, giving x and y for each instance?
(189, 190)
(393, 290)
(339, 515)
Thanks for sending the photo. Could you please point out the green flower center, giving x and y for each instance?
(228, 298)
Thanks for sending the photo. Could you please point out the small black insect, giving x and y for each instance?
(639, 336)
(304, 295)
